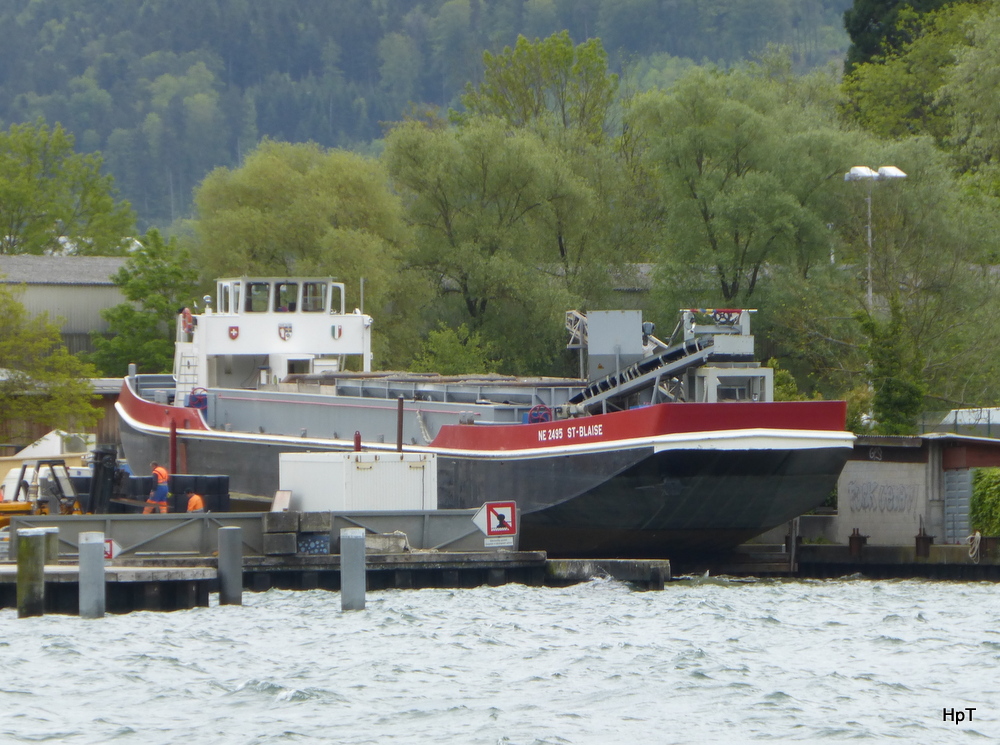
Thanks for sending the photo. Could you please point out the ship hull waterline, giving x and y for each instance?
(646, 501)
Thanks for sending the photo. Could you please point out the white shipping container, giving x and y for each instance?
(352, 481)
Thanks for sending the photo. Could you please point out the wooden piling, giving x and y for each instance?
(51, 545)
(30, 572)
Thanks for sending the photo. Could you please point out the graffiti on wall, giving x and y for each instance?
(871, 496)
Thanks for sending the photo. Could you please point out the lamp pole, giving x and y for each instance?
(859, 173)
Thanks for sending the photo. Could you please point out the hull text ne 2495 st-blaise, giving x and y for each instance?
(666, 449)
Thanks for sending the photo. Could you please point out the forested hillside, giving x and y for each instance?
(169, 90)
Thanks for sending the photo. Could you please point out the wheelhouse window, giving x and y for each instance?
(313, 297)
(286, 296)
(257, 297)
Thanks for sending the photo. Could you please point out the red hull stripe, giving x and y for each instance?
(645, 422)
(159, 415)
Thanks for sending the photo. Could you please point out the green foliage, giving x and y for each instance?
(747, 166)
(53, 200)
(547, 81)
(40, 382)
(898, 389)
(451, 351)
(169, 93)
(874, 26)
(970, 90)
(483, 202)
(984, 508)
(898, 93)
(159, 280)
(860, 401)
(786, 388)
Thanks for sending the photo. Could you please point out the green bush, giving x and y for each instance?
(984, 510)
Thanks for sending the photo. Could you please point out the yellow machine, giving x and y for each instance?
(43, 488)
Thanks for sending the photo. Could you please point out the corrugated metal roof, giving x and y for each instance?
(59, 270)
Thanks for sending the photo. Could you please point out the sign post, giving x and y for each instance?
(498, 522)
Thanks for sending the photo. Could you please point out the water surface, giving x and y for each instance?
(702, 661)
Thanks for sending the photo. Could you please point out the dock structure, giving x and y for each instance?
(172, 562)
(128, 588)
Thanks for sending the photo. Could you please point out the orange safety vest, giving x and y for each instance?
(195, 502)
(161, 474)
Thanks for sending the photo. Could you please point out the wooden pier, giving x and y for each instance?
(128, 588)
(168, 584)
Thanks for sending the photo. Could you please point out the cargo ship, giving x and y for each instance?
(663, 449)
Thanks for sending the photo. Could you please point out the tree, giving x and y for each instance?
(746, 166)
(547, 82)
(54, 200)
(40, 381)
(898, 93)
(969, 89)
(898, 390)
(482, 200)
(453, 352)
(599, 213)
(932, 256)
(158, 279)
(874, 27)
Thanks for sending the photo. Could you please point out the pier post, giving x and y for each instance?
(92, 585)
(231, 566)
(352, 569)
(30, 572)
(51, 545)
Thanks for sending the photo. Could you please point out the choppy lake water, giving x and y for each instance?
(702, 661)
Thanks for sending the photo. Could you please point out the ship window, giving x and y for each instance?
(224, 299)
(286, 296)
(257, 294)
(236, 297)
(313, 297)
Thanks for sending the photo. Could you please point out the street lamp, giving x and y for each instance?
(859, 173)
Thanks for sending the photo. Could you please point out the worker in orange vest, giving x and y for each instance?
(195, 502)
(158, 496)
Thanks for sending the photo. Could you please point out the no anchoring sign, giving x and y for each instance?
(498, 521)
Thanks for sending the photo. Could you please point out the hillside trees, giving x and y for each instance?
(53, 199)
(970, 89)
(898, 93)
(169, 93)
(874, 27)
(547, 81)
